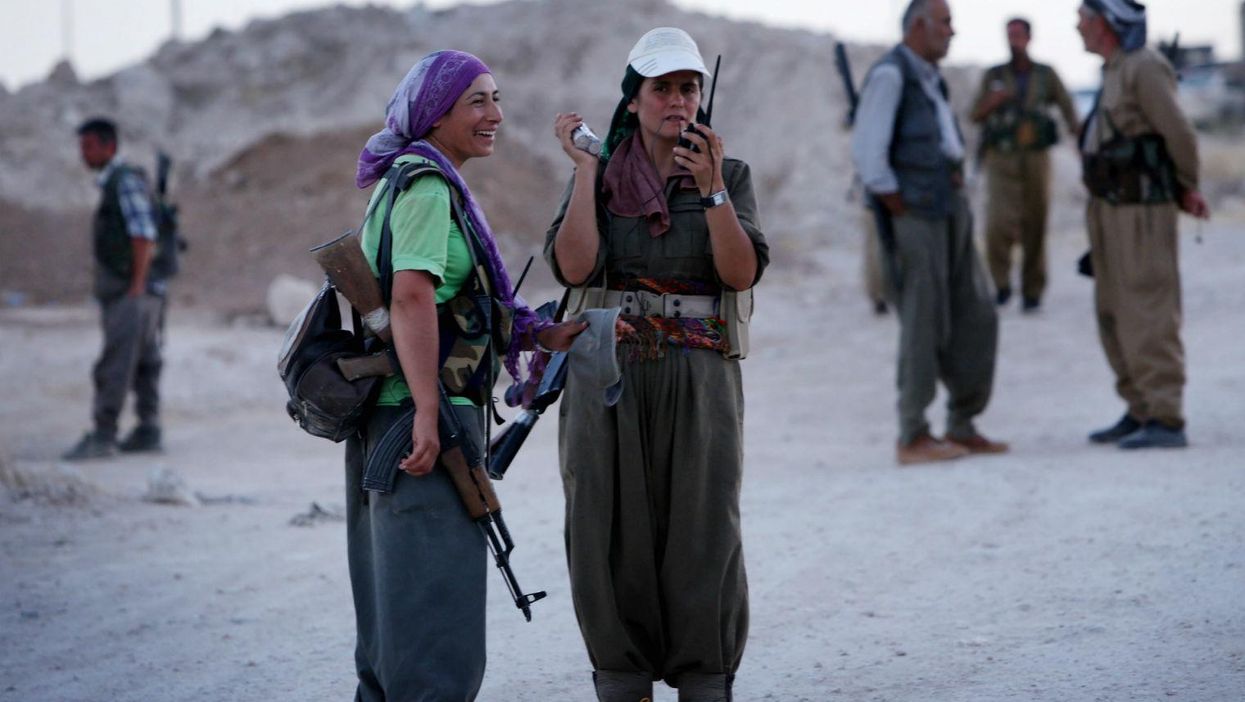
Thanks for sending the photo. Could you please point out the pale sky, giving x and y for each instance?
(106, 35)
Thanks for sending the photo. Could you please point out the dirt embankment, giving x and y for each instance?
(257, 216)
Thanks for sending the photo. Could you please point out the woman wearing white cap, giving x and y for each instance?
(652, 483)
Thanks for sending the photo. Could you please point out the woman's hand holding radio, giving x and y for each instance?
(704, 160)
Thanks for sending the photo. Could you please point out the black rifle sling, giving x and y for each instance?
(398, 179)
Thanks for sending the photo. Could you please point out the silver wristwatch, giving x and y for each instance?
(718, 198)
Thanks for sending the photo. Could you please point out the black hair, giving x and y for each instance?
(1023, 23)
(103, 129)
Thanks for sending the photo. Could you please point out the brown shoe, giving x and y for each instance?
(927, 449)
(976, 443)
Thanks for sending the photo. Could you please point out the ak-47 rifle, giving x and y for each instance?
(466, 468)
(849, 87)
(347, 268)
(881, 216)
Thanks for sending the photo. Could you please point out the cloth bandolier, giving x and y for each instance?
(948, 324)
(1140, 154)
(1015, 143)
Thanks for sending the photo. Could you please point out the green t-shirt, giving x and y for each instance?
(425, 238)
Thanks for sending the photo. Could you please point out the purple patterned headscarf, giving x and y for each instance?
(425, 95)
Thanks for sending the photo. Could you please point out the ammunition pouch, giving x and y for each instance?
(736, 309)
(464, 344)
(1131, 171)
(468, 326)
(644, 303)
(1014, 130)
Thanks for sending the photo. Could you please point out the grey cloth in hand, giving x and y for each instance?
(594, 354)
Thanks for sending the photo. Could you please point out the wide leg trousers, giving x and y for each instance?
(1018, 187)
(417, 572)
(653, 536)
(1135, 253)
(948, 322)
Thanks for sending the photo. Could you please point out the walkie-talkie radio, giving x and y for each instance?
(713, 86)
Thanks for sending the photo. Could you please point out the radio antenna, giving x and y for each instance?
(713, 88)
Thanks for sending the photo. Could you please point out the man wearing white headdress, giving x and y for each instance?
(1141, 167)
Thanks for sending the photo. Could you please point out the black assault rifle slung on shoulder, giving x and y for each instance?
(881, 216)
(348, 270)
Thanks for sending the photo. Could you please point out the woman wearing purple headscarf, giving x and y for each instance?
(417, 561)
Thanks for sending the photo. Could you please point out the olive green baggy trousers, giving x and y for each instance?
(1018, 194)
(1135, 254)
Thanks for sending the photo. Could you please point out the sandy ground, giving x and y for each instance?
(1061, 571)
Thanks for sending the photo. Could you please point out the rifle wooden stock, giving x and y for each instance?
(466, 469)
(343, 260)
(474, 487)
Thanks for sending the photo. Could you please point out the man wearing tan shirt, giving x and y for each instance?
(1013, 108)
(1140, 165)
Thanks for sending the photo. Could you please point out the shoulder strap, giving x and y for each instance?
(475, 247)
(397, 180)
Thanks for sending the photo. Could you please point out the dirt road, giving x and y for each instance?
(1060, 571)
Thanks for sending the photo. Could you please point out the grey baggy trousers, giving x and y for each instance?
(130, 359)
(948, 322)
(653, 540)
(417, 572)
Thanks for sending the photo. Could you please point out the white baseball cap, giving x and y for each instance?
(666, 50)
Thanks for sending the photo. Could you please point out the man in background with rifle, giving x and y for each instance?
(909, 153)
(1016, 137)
(130, 288)
(878, 247)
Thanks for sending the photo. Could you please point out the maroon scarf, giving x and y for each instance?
(631, 186)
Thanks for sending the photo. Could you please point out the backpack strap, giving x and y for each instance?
(397, 181)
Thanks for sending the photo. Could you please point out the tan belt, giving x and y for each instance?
(646, 304)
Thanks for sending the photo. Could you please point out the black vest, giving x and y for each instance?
(916, 156)
(113, 251)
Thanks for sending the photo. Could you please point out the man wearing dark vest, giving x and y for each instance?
(1140, 161)
(131, 300)
(1017, 132)
(909, 152)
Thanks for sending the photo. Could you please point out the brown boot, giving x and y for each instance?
(927, 449)
(976, 443)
